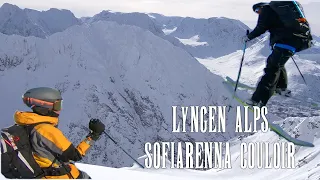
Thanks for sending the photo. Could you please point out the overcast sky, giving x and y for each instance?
(239, 9)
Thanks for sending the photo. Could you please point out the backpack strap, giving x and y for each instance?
(297, 6)
(51, 171)
(3, 145)
(30, 127)
(11, 143)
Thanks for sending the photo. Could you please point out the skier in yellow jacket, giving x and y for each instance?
(52, 150)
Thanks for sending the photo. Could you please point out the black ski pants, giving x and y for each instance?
(275, 75)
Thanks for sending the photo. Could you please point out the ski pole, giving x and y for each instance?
(244, 51)
(122, 149)
(239, 73)
(299, 70)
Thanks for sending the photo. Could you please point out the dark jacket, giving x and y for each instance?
(270, 21)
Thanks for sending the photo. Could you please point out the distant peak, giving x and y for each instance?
(7, 5)
(106, 12)
(54, 9)
(59, 10)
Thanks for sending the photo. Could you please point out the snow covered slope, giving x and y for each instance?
(122, 74)
(27, 22)
(307, 159)
(312, 53)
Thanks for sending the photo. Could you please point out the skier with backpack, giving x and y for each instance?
(35, 148)
(289, 33)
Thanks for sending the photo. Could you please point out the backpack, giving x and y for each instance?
(16, 154)
(292, 15)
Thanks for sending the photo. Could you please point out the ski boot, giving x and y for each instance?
(252, 103)
(283, 92)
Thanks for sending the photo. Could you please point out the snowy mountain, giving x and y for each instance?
(53, 20)
(167, 22)
(141, 20)
(27, 22)
(136, 19)
(312, 53)
(205, 38)
(122, 74)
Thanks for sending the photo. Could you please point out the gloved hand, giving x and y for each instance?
(245, 39)
(97, 128)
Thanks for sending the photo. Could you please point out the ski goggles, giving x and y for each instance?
(257, 10)
(32, 102)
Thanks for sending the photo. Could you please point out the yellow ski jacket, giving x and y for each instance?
(51, 147)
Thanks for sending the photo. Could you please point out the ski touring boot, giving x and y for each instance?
(252, 103)
(283, 92)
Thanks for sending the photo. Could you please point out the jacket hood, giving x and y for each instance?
(28, 118)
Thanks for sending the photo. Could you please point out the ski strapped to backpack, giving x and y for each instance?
(292, 15)
(17, 155)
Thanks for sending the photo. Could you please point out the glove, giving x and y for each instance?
(245, 39)
(97, 128)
